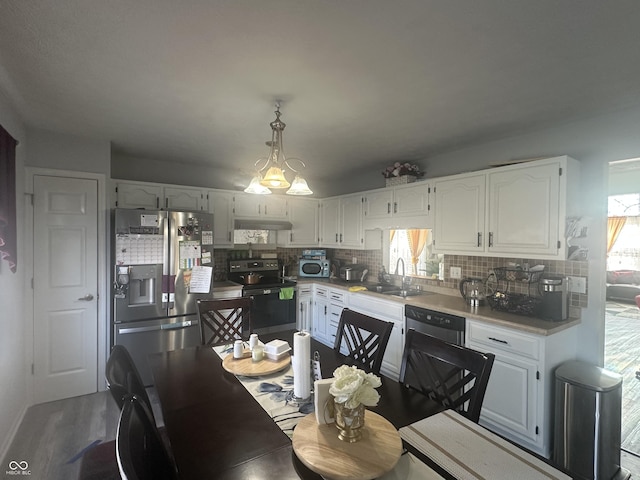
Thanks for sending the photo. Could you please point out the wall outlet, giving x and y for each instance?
(577, 285)
(455, 272)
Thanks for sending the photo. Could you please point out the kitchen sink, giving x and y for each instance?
(404, 293)
(382, 288)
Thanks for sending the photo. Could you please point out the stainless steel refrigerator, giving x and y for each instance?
(163, 263)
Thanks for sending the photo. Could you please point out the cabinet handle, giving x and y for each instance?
(265, 209)
(491, 239)
(229, 236)
(479, 239)
(336, 238)
(498, 340)
(395, 207)
(291, 237)
(388, 207)
(259, 208)
(166, 203)
(340, 238)
(157, 202)
(325, 309)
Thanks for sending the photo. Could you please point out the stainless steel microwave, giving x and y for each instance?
(313, 268)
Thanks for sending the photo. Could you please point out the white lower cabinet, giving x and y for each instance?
(389, 311)
(304, 315)
(518, 402)
(327, 308)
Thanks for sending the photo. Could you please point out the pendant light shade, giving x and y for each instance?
(299, 187)
(276, 165)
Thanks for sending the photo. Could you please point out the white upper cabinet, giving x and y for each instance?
(341, 224)
(138, 195)
(514, 210)
(460, 213)
(260, 206)
(153, 196)
(184, 198)
(304, 216)
(221, 205)
(403, 206)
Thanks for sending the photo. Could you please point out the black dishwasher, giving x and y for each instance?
(444, 326)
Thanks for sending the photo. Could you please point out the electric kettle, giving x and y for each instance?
(474, 291)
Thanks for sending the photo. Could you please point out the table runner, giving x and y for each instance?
(469, 451)
(274, 393)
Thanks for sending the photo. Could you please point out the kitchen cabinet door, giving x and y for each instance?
(329, 222)
(523, 213)
(351, 229)
(303, 215)
(221, 205)
(411, 200)
(182, 198)
(139, 195)
(321, 315)
(460, 213)
(379, 204)
(511, 399)
(260, 206)
(304, 320)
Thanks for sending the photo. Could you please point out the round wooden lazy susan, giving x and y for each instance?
(319, 448)
(247, 367)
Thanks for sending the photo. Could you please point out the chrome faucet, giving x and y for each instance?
(401, 261)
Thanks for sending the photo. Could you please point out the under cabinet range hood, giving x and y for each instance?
(261, 225)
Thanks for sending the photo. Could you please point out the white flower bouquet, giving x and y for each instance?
(353, 386)
(399, 169)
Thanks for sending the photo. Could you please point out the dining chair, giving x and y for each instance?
(452, 375)
(140, 451)
(224, 320)
(123, 377)
(365, 338)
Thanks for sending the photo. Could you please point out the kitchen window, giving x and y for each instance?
(415, 247)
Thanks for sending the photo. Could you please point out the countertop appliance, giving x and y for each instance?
(314, 268)
(163, 263)
(353, 272)
(554, 304)
(474, 291)
(272, 309)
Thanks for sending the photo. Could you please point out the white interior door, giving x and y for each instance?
(65, 287)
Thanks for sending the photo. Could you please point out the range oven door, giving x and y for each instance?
(268, 312)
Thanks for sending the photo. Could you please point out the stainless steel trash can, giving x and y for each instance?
(588, 408)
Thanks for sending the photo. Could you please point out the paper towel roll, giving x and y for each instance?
(302, 365)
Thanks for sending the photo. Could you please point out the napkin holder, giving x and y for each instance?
(323, 401)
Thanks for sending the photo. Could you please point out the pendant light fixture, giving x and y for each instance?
(275, 166)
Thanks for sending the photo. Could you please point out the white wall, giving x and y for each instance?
(13, 339)
(594, 142)
(68, 152)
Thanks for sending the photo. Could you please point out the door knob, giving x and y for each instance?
(87, 298)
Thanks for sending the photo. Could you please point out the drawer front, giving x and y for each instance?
(322, 292)
(337, 297)
(304, 290)
(503, 339)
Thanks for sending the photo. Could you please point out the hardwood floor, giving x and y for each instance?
(53, 435)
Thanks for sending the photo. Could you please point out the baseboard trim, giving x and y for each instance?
(4, 448)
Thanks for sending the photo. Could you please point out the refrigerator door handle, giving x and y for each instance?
(176, 326)
(165, 326)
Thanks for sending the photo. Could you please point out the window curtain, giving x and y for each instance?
(392, 233)
(8, 235)
(614, 227)
(417, 238)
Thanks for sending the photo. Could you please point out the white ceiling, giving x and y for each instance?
(362, 82)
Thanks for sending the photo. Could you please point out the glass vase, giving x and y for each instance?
(349, 422)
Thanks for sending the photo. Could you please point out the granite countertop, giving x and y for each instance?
(455, 305)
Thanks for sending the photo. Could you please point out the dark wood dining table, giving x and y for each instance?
(218, 430)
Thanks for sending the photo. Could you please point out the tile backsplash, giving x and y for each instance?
(470, 266)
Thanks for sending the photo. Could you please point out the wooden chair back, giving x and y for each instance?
(454, 376)
(365, 338)
(225, 320)
(140, 451)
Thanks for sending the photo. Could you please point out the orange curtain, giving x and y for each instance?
(392, 233)
(614, 227)
(417, 239)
